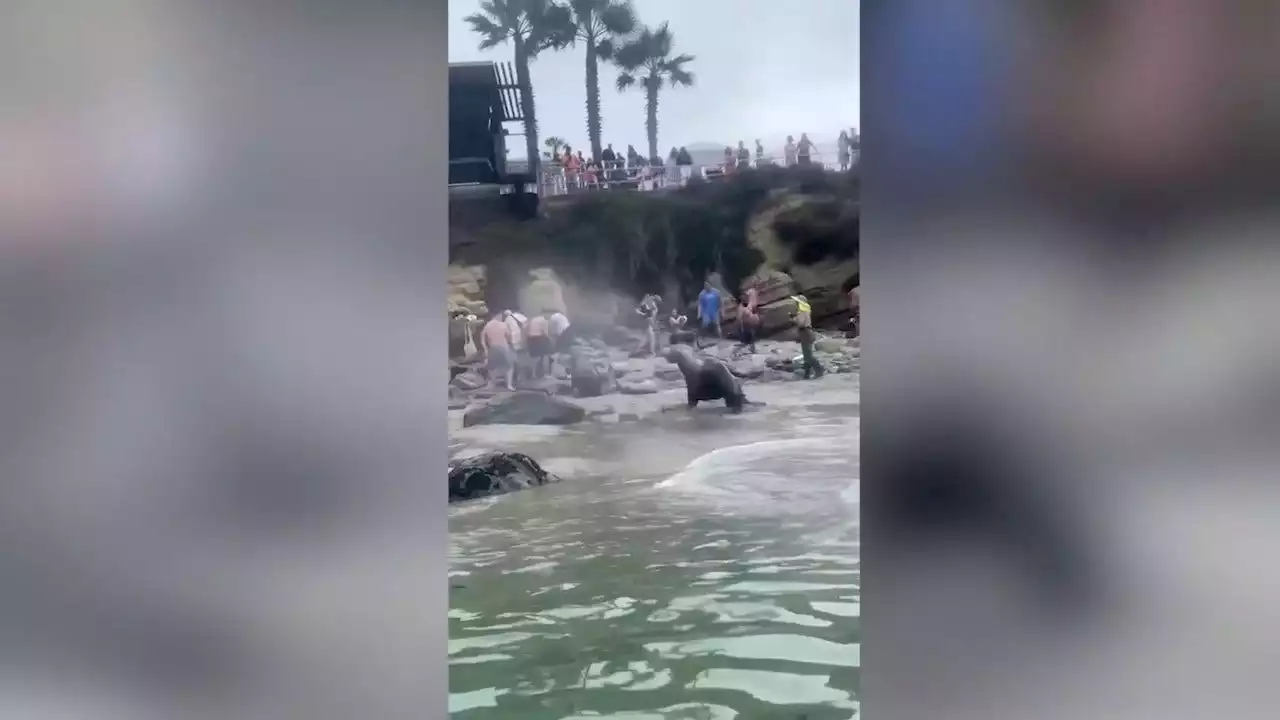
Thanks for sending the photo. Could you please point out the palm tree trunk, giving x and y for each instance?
(527, 108)
(593, 100)
(651, 121)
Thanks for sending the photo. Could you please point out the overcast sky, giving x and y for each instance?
(764, 69)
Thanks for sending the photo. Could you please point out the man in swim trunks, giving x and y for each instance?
(538, 338)
(496, 342)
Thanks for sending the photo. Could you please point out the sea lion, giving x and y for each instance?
(708, 378)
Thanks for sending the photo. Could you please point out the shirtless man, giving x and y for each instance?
(538, 339)
(496, 342)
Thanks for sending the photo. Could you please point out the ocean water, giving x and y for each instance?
(691, 565)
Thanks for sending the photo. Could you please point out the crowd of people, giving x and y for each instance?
(615, 166)
(512, 343)
(580, 171)
(709, 308)
(801, 152)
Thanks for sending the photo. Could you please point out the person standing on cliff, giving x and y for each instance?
(496, 342)
(709, 310)
(805, 150)
(789, 152)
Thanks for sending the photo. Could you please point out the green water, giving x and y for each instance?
(660, 581)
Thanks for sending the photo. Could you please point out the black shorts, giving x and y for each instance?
(540, 346)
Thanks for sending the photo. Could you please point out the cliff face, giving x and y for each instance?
(784, 230)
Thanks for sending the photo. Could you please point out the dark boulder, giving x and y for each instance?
(493, 474)
(468, 380)
(590, 376)
(525, 407)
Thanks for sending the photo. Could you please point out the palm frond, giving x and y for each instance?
(680, 77)
(504, 12)
(625, 80)
(618, 17)
(633, 54)
(491, 33)
(662, 40)
(550, 26)
(605, 49)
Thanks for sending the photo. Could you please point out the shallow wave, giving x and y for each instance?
(778, 475)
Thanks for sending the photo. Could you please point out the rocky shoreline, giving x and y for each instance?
(618, 366)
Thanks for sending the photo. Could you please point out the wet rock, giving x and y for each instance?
(525, 407)
(683, 337)
(543, 293)
(619, 336)
(458, 403)
(638, 387)
(591, 384)
(620, 368)
(468, 380)
(830, 345)
(600, 411)
(589, 374)
(495, 473)
(747, 369)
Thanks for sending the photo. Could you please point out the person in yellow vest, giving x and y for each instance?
(802, 317)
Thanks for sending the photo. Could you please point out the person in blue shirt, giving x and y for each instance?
(709, 310)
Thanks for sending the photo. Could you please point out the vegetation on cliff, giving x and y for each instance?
(771, 218)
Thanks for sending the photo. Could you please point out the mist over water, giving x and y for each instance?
(690, 565)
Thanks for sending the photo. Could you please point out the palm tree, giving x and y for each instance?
(554, 144)
(531, 26)
(647, 60)
(598, 23)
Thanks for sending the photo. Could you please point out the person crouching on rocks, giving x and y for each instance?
(498, 347)
(802, 318)
(677, 332)
(648, 309)
(538, 338)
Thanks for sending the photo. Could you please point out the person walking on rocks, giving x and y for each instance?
(648, 309)
(803, 320)
(561, 335)
(709, 310)
(500, 357)
(538, 337)
(516, 322)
